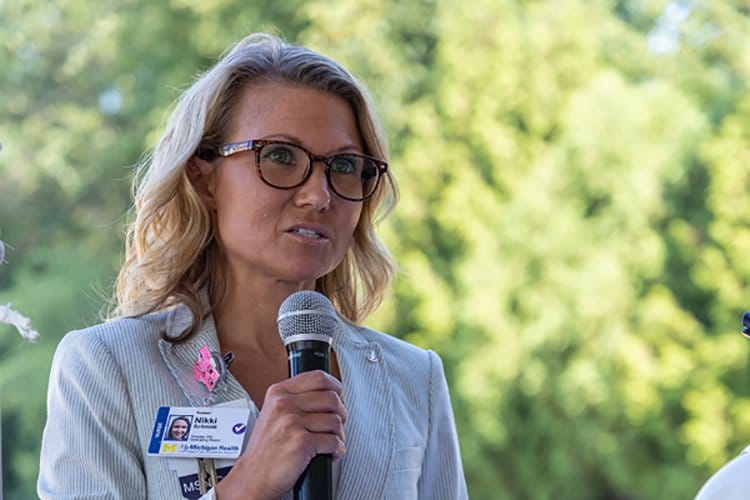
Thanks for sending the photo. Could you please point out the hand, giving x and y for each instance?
(301, 417)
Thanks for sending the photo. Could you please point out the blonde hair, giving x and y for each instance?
(170, 248)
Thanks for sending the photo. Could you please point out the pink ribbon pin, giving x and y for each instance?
(205, 369)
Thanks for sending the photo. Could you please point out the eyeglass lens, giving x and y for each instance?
(285, 166)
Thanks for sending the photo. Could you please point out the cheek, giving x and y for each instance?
(239, 210)
(350, 218)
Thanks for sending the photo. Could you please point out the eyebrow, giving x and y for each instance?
(348, 148)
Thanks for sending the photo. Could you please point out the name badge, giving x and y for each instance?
(199, 432)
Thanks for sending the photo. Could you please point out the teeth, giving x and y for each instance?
(307, 233)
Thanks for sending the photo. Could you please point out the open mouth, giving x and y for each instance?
(308, 233)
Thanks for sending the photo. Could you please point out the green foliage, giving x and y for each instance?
(572, 230)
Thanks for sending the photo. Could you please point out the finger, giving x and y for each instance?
(288, 411)
(321, 444)
(320, 402)
(336, 448)
(325, 423)
(315, 380)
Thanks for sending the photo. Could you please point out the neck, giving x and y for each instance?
(245, 318)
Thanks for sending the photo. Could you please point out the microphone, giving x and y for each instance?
(306, 323)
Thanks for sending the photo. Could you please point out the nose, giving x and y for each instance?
(315, 191)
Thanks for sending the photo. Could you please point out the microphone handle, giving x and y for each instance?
(316, 482)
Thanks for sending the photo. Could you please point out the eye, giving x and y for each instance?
(278, 154)
(345, 165)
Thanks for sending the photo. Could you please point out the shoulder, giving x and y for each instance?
(392, 346)
(401, 357)
(113, 340)
(130, 331)
(114, 365)
(730, 482)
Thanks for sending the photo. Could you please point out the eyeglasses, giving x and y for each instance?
(285, 165)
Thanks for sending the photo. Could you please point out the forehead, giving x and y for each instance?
(277, 108)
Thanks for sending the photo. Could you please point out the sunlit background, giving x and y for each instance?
(573, 233)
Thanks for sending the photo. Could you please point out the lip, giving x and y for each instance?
(322, 231)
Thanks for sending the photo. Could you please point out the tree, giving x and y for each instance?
(571, 230)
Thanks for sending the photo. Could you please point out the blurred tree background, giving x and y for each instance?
(573, 232)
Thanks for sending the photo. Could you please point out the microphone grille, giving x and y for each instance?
(307, 313)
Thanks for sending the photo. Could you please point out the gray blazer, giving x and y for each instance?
(107, 382)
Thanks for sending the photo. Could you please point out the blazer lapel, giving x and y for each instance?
(369, 428)
(180, 358)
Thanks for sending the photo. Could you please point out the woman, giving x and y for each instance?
(268, 180)
(179, 429)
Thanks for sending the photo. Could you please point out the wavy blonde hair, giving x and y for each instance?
(170, 248)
